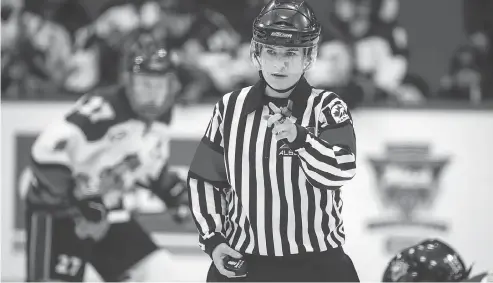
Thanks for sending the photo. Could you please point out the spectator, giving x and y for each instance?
(240, 14)
(333, 70)
(207, 43)
(386, 10)
(116, 20)
(43, 61)
(83, 58)
(478, 24)
(11, 69)
(202, 37)
(379, 46)
(463, 80)
(482, 42)
(43, 49)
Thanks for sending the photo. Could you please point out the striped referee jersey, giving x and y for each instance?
(267, 197)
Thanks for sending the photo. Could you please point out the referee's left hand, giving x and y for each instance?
(283, 128)
(219, 254)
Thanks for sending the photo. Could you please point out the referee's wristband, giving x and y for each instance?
(212, 242)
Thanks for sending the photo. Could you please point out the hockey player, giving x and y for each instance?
(84, 164)
(431, 260)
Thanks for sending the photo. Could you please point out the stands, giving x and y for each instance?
(367, 58)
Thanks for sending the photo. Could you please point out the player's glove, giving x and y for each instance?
(172, 190)
(92, 209)
(92, 222)
(87, 229)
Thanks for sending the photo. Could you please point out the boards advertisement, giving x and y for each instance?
(420, 173)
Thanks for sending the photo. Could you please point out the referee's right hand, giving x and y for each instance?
(220, 252)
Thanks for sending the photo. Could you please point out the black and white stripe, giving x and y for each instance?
(39, 247)
(274, 205)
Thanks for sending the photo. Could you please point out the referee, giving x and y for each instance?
(265, 182)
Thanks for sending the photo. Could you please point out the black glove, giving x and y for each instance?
(92, 209)
(171, 189)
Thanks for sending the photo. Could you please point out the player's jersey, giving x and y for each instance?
(99, 148)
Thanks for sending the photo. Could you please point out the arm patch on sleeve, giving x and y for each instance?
(339, 113)
(334, 113)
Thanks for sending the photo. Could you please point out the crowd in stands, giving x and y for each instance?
(470, 71)
(55, 49)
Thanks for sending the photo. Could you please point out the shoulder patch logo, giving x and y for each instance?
(339, 113)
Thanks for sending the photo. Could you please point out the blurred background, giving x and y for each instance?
(417, 74)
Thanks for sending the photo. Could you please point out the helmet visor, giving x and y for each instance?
(151, 94)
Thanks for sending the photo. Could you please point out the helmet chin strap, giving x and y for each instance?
(282, 90)
(279, 90)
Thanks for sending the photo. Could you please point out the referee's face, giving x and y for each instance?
(282, 66)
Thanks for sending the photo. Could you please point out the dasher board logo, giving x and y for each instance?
(281, 34)
(407, 181)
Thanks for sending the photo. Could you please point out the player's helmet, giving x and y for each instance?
(429, 261)
(287, 23)
(150, 79)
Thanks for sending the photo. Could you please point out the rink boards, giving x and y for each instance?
(438, 161)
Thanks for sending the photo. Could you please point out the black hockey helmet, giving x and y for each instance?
(147, 53)
(149, 74)
(287, 23)
(429, 261)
